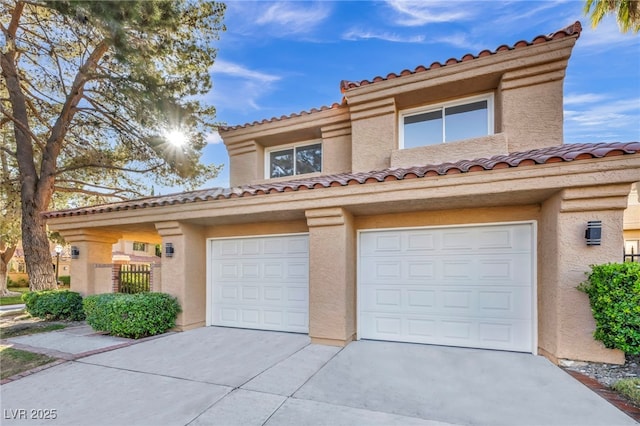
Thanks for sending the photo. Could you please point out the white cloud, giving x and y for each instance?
(213, 138)
(358, 34)
(239, 88)
(583, 98)
(238, 71)
(294, 17)
(420, 12)
(616, 120)
(461, 41)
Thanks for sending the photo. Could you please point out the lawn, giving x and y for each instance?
(15, 361)
(13, 300)
(19, 330)
(629, 388)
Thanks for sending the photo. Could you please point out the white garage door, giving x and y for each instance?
(456, 286)
(260, 283)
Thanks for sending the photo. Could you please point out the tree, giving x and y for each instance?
(10, 211)
(91, 89)
(627, 13)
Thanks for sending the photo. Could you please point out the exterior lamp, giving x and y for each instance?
(168, 249)
(593, 234)
(58, 250)
(75, 252)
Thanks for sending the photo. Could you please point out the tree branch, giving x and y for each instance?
(62, 170)
(60, 128)
(22, 126)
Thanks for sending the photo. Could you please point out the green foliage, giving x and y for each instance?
(629, 388)
(54, 305)
(131, 315)
(65, 279)
(614, 294)
(627, 13)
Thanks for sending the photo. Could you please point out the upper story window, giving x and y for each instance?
(294, 160)
(138, 246)
(451, 121)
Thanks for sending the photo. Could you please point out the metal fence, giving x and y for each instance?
(134, 279)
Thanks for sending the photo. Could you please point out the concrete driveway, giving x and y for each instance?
(230, 376)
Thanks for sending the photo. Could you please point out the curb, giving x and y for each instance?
(611, 396)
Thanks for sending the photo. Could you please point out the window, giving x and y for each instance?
(139, 246)
(294, 160)
(451, 121)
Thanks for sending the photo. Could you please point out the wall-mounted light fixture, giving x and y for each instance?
(593, 234)
(75, 252)
(168, 249)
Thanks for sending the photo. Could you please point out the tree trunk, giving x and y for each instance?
(37, 253)
(5, 257)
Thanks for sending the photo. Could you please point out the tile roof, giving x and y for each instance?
(553, 154)
(571, 30)
(284, 117)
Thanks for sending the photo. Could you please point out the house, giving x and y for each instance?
(135, 252)
(437, 205)
(123, 252)
(632, 226)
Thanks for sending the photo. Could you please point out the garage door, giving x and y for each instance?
(466, 286)
(260, 283)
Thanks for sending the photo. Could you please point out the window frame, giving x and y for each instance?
(294, 146)
(144, 245)
(442, 106)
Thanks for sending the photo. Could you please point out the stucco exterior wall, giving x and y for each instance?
(95, 249)
(336, 148)
(449, 217)
(332, 289)
(467, 149)
(373, 135)
(257, 228)
(244, 163)
(184, 274)
(565, 318)
(532, 113)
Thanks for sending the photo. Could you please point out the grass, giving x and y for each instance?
(15, 361)
(13, 300)
(629, 388)
(30, 329)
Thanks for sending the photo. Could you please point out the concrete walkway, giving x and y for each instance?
(230, 376)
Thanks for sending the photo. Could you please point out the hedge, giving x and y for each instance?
(614, 294)
(54, 305)
(131, 315)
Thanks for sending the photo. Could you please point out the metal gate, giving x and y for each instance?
(134, 279)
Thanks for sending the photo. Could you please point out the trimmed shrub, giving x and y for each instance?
(614, 294)
(65, 279)
(131, 315)
(54, 305)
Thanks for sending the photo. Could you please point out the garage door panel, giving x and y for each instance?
(452, 331)
(489, 302)
(466, 286)
(475, 269)
(260, 283)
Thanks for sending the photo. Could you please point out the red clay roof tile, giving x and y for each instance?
(573, 29)
(561, 153)
(345, 85)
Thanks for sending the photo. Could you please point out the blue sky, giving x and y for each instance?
(277, 58)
